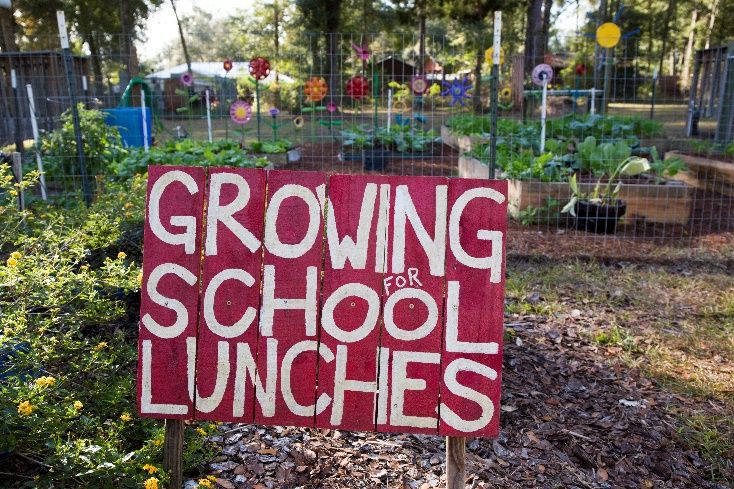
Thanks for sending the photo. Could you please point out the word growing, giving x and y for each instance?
(342, 301)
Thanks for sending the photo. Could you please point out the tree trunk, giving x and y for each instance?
(712, 21)
(533, 35)
(7, 30)
(477, 93)
(686, 72)
(128, 58)
(98, 80)
(546, 23)
(183, 38)
(332, 46)
(669, 13)
(422, 39)
(276, 45)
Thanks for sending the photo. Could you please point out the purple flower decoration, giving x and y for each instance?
(274, 112)
(331, 107)
(458, 90)
(362, 52)
(187, 79)
(240, 112)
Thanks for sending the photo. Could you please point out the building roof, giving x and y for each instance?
(211, 69)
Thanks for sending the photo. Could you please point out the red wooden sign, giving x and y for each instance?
(350, 302)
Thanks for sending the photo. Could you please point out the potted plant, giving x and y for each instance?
(600, 210)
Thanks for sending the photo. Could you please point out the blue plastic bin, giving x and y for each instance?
(129, 121)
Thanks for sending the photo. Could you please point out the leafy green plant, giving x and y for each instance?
(600, 159)
(546, 212)
(270, 147)
(102, 145)
(401, 138)
(187, 153)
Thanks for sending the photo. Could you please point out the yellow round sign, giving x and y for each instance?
(490, 52)
(608, 35)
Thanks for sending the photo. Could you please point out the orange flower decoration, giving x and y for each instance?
(315, 89)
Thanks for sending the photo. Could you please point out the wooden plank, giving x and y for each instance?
(231, 280)
(289, 318)
(412, 326)
(173, 452)
(475, 276)
(170, 291)
(352, 295)
(713, 175)
(455, 462)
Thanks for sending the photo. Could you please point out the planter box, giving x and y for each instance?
(665, 204)
(713, 175)
(460, 143)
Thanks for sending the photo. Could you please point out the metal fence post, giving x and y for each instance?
(68, 62)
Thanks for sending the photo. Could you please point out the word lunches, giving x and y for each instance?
(342, 301)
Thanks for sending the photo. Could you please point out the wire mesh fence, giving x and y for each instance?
(354, 103)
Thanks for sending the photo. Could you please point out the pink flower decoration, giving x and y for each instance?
(331, 107)
(240, 112)
(362, 52)
(187, 79)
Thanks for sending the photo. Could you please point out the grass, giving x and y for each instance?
(673, 323)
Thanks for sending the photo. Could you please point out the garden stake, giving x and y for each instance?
(208, 114)
(64, 37)
(543, 112)
(36, 140)
(16, 99)
(257, 107)
(173, 452)
(18, 170)
(495, 78)
(375, 91)
(389, 108)
(145, 121)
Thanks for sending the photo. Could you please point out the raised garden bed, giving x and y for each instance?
(379, 159)
(666, 204)
(460, 143)
(706, 173)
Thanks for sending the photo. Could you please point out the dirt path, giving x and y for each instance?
(587, 403)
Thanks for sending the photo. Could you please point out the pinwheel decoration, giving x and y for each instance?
(363, 52)
(274, 112)
(187, 79)
(505, 94)
(609, 34)
(298, 122)
(331, 108)
(259, 68)
(228, 65)
(358, 87)
(458, 90)
(419, 84)
(580, 69)
(315, 89)
(489, 55)
(240, 112)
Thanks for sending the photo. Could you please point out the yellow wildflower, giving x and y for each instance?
(12, 262)
(128, 205)
(201, 431)
(16, 254)
(151, 483)
(84, 268)
(45, 381)
(434, 90)
(205, 483)
(25, 408)
(126, 417)
(158, 442)
(78, 405)
(150, 469)
(140, 277)
(121, 255)
(101, 345)
(211, 478)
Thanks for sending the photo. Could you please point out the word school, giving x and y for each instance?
(355, 302)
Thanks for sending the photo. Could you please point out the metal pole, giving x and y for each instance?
(18, 170)
(389, 108)
(608, 61)
(36, 140)
(494, 101)
(64, 38)
(145, 120)
(16, 100)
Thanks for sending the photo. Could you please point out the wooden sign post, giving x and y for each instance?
(353, 302)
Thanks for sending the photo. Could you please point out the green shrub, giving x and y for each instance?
(102, 145)
(69, 294)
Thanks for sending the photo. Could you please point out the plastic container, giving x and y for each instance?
(129, 121)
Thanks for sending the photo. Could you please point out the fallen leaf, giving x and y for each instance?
(225, 483)
(268, 451)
